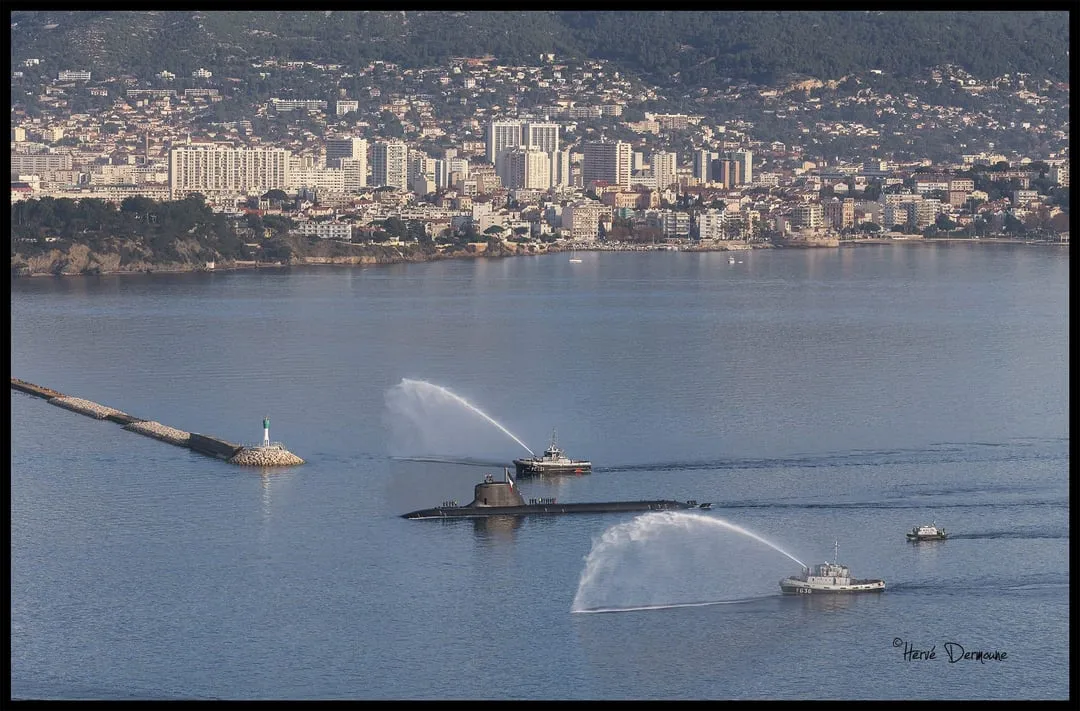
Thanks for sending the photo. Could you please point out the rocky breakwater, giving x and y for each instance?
(161, 432)
(272, 456)
(84, 407)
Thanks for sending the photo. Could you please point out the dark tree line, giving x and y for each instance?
(154, 227)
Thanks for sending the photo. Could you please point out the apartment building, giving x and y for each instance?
(216, 169)
(581, 220)
(839, 214)
(664, 166)
(390, 164)
(502, 135)
(809, 215)
(607, 162)
(525, 168)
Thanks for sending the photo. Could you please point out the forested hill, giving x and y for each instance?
(668, 48)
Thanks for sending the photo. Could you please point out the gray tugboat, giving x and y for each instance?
(553, 461)
(927, 533)
(501, 498)
(832, 578)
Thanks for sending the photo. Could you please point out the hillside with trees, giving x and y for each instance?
(670, 48)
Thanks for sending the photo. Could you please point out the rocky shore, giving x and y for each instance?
(79, 260)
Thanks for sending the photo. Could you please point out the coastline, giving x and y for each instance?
(410, 257)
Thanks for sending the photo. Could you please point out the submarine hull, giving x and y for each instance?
(551, 509)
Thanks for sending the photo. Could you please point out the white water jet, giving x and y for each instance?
(412, 398)
(661, 555)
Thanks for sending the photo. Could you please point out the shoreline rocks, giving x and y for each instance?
(265, 457)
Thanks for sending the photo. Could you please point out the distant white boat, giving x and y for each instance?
(731, 260)
(574, 258)
(927, 533)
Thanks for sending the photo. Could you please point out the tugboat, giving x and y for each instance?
(927, 533)
(501, 498)
(832, 578)
(553, 461)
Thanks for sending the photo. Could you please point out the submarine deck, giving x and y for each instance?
(549, 509)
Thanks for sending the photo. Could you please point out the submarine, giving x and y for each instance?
(501, 498)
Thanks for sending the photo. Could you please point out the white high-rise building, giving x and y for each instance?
(216, 169)
(560, 169)
(390, 164)
(664, 165)
(446, 167)
(355, 170)
(502, 135)
(607, 161)
(541, 137)
(349, 154)
(527, 169)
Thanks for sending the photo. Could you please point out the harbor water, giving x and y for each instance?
(815, 397)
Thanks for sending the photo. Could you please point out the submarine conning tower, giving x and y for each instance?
(496, 493)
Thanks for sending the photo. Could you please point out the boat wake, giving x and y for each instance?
(465, 461)
(995, 535)
(674, 605)
(980, 585)
(888, 505)
(944, 452)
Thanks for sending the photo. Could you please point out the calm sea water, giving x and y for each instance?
(816, 397)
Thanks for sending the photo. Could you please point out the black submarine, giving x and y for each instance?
(501, 498)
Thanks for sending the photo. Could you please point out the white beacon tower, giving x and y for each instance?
(266, 432)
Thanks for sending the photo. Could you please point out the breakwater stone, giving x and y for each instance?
(274, 455)
(266, 457)
(84, 407)
(161, 432)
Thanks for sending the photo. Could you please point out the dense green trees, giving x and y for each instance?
(156, 227)
(691, 48)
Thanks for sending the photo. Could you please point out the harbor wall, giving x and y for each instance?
(36, 390)
(274, 456)
(212, 446)
(122, 419)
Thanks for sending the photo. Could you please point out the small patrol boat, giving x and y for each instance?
(927, 533)
(553, 461)
(831, 578)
